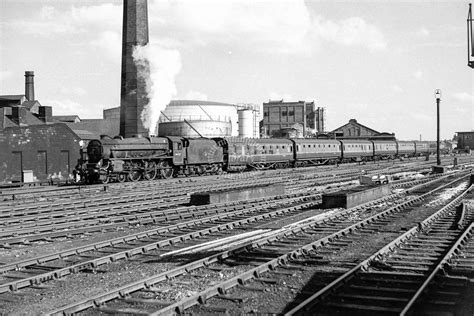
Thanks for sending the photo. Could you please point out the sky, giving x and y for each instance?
(376, 61)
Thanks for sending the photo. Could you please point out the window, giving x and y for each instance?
(291, 113)
(283, 113)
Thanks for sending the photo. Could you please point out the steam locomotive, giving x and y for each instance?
(119, 159)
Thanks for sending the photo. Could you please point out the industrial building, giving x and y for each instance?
(465, 140)
(291, 119)
(33, 147)
(354, 129)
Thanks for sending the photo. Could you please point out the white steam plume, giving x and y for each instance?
(164, 64)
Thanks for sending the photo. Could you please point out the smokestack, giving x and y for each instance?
(29, 85)
(133, 95)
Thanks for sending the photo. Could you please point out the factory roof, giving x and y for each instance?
(32, 106)
(12, 97)
(93, 128)
(354, 122)
(67, 118)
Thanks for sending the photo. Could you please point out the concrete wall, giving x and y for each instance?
(353, 197)
(49, 151)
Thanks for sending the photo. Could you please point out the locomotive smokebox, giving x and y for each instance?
(133, 96)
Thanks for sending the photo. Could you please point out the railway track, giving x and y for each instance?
(279, 251)
(393, 280)
(143, 215)
(28, 225)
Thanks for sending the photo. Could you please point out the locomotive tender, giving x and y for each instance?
(148, 158)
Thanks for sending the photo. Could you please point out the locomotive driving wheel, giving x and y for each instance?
(135, 175)
(200, 170)
(103, 176)
(122, 177)
(150, 171)
(166, 170)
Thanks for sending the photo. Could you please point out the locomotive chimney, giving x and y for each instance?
(29, 85)
(133, 96)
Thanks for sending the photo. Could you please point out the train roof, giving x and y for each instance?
(258, 140)
(383, 141)
(316, 140)
(356, 141)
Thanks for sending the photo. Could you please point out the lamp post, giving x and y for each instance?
(438, 99)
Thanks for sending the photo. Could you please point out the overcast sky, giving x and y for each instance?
(376, 61)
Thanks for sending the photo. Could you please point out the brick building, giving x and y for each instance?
(466, 140)
(280, 116)
(33, 148)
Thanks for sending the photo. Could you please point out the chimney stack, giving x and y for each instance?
(133, 95)
(29, 85)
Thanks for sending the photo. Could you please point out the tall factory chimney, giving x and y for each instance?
(30, 85)
(133, 96)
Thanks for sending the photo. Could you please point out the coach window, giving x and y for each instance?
(297, 147)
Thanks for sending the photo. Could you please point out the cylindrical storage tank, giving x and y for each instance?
(246, 123)
(197, 110)
(206, 128)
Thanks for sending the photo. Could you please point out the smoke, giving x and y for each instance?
(159, 67)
